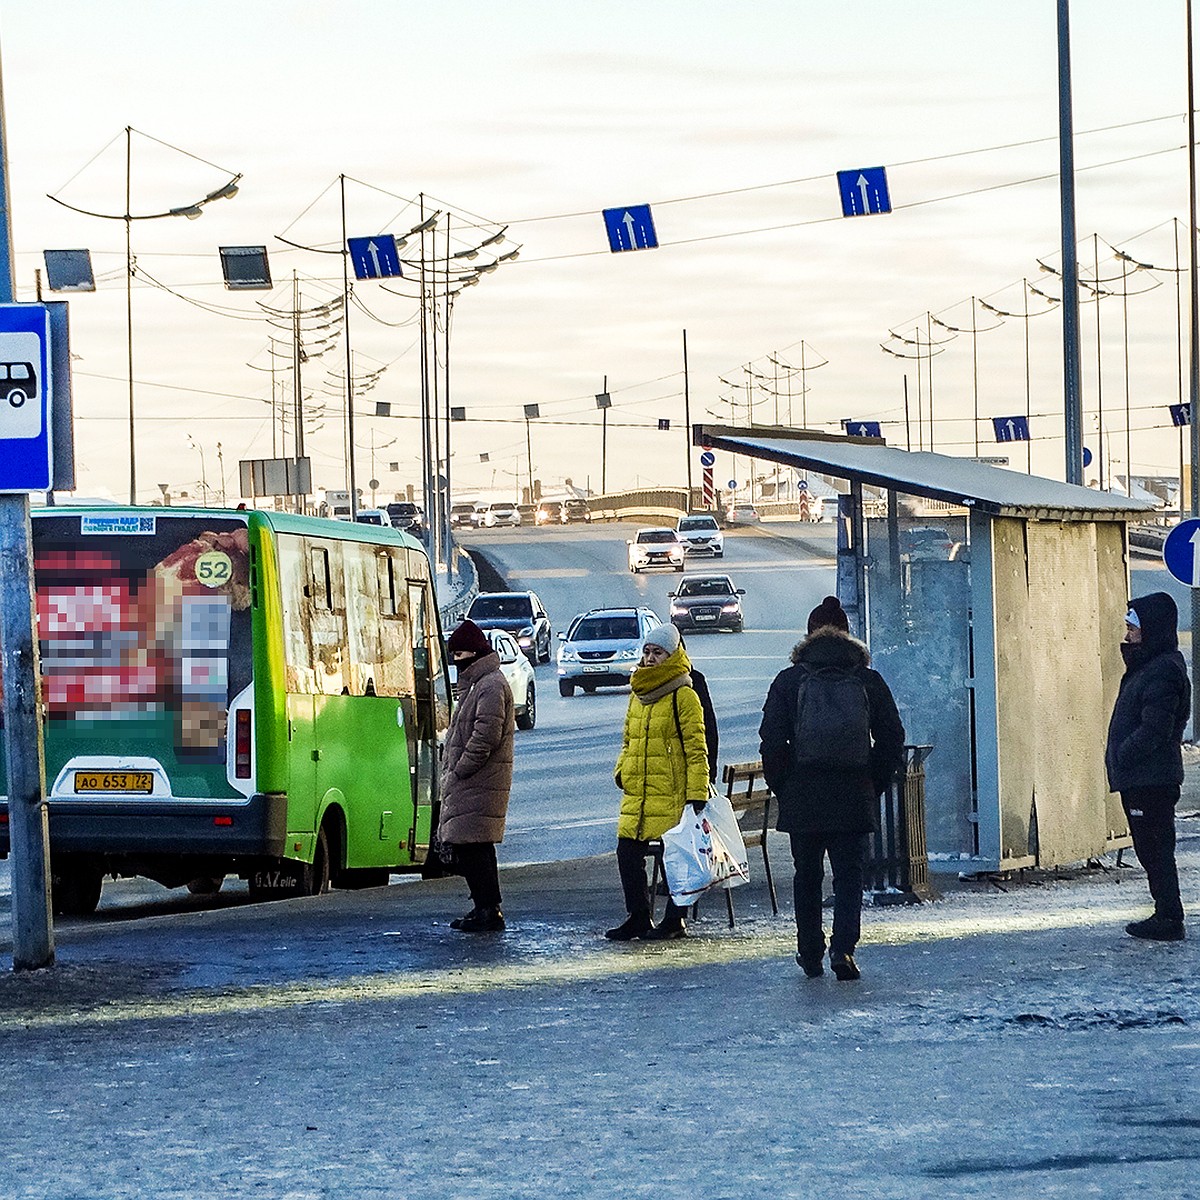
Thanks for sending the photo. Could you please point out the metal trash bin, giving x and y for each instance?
(896, 870)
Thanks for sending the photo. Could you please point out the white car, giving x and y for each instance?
(518, 674)
(502, 512)
(374, 516)
(701, 535)
(655, 548)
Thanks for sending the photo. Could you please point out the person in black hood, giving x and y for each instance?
(1143, 756)
(829, 793)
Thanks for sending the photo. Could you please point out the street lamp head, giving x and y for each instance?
(495, 238)
(472, 253)
(191, 211)
(225, 192)
(509, 256)
(1046, 267)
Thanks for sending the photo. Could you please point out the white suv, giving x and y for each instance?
(655, 548)
(701, 535)
(502, 512)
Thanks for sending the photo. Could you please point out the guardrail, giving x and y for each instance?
(456, 588)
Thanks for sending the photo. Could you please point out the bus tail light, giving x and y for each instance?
(241, 753)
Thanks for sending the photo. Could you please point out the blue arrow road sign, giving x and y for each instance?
(1181, 552)
(25, 391)
(375, 257)
(862, 428)
(707, 458)
(864, 191)
(1181, 414)
(1011, 429)
(630, 228)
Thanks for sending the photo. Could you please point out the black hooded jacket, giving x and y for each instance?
(825, 800)
(1153, 704)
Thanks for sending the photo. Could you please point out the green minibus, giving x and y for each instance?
(234, 692)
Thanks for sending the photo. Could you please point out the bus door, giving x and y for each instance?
(427, 671)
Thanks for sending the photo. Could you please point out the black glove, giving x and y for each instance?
(698, 806)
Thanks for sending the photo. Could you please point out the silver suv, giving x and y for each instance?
(601, 648)
(700, 534)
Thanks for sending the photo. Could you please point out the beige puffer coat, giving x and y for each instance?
(477, 762)
(662, 765)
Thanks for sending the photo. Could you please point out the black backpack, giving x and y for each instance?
(833, 720)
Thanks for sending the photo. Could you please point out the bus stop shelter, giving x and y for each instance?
(993, 603)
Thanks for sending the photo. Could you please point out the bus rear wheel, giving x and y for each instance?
(75, 887)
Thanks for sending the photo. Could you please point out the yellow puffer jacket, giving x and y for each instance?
(658, 771)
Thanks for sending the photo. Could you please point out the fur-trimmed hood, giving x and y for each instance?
(831, 646)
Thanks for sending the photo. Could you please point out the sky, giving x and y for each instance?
(730, 121)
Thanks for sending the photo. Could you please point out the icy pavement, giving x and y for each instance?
(1001, 1043)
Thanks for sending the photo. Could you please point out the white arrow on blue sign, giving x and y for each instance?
(864, 191)
(1011, 429)
(630, 228)
(862, 428)
(707, 458)
(1181, 414)
(375, 257)
(1181, 552)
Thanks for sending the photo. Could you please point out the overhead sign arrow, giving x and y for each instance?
(630, 228)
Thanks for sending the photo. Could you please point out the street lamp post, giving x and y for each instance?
(225, 192)
(203, 475)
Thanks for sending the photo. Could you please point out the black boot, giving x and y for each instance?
(814, 968)
(844, 967)
(636, 925)
(480, 920)
(669, 929)
(1157, 929)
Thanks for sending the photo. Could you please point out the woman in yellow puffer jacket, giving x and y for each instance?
(663, 765)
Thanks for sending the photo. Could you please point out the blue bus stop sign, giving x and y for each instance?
(26, 456)
(1181, 552)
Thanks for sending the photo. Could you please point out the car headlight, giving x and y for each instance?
(676, 609)
(729, 608)
(628, 655)
(566, 654)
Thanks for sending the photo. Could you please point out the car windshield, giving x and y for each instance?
(595, 629)
(706, 587)
(656, 535)
(403, 510)
(576, 505)
(501, 507)
(491, 608)
(462, 508)
(694, 523)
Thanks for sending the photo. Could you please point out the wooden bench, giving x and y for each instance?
(751, 801)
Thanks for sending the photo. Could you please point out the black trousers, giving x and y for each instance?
(845, 852)
(476, 863)
(631, 864)
(1151, 813)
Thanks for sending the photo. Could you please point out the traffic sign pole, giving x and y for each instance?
(28, 824)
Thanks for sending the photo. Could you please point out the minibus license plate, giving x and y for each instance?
(114, 781)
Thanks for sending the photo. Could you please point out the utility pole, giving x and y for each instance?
(687, 422)
(28, 820)
(1072, 389)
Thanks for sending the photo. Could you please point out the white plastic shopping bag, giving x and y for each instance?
(697, 857)
(724, 824)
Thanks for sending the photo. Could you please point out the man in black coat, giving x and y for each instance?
(1143, 756)
(829, 808)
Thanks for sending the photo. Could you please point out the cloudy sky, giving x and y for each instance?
(730, 120)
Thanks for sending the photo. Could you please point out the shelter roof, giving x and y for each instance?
(990, 489)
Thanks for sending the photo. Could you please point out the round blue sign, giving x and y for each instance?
(1181, 552)
(732, 485)
(1087, 457)
(802, 486)
(707, 458)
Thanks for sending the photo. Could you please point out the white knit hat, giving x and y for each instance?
(666, 636)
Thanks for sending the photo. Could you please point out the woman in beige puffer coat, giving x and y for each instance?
(663, 765)
(477, 767)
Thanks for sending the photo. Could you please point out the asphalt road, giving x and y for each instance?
(564, 804)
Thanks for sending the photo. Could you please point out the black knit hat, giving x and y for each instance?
(828, 613)
(468, 636)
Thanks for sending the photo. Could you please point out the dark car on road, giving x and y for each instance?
(407, 516)
(707, 602)
(520, 613)
(575, 510)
